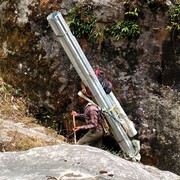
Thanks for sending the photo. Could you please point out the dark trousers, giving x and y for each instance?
(92, 138)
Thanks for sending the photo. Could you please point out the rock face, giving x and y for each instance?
(74, 162)
(18, 136)
(144, 71)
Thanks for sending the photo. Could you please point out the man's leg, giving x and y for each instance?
(92, 138)
(98, 143)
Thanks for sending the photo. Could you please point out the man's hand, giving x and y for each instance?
(74, 113)
(77, 128)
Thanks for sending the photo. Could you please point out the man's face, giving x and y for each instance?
(81, 100)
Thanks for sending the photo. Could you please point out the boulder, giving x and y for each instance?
(74, 162)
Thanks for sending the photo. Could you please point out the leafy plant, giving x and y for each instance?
(174, 16)
(151, 1)
(128, 26)
(12, 53)
(81, 20)
(134, 13)
(96, 33)
(157, 5)
(124, 29)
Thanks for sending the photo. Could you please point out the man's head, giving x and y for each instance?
(81, 100)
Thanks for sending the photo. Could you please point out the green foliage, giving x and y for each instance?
(95, 34)
(45, 116)
(174, 16)
(155, 2)
(124, 29)
(82, 21)
(11, 53)
(128, 26)
(132, 13)
(151, 1)
(5, 88)
(157, 5)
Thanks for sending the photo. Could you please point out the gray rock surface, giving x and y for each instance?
(74, 162)
(144, 71)
(39, 132)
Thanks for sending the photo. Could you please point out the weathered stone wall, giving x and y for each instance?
(144, 71)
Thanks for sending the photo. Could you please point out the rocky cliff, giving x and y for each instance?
(142, 62)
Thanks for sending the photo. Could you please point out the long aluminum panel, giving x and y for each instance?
(87, 75)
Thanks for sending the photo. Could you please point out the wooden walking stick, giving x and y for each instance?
(74, 123)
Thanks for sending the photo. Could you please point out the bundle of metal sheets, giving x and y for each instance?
(121, 127)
